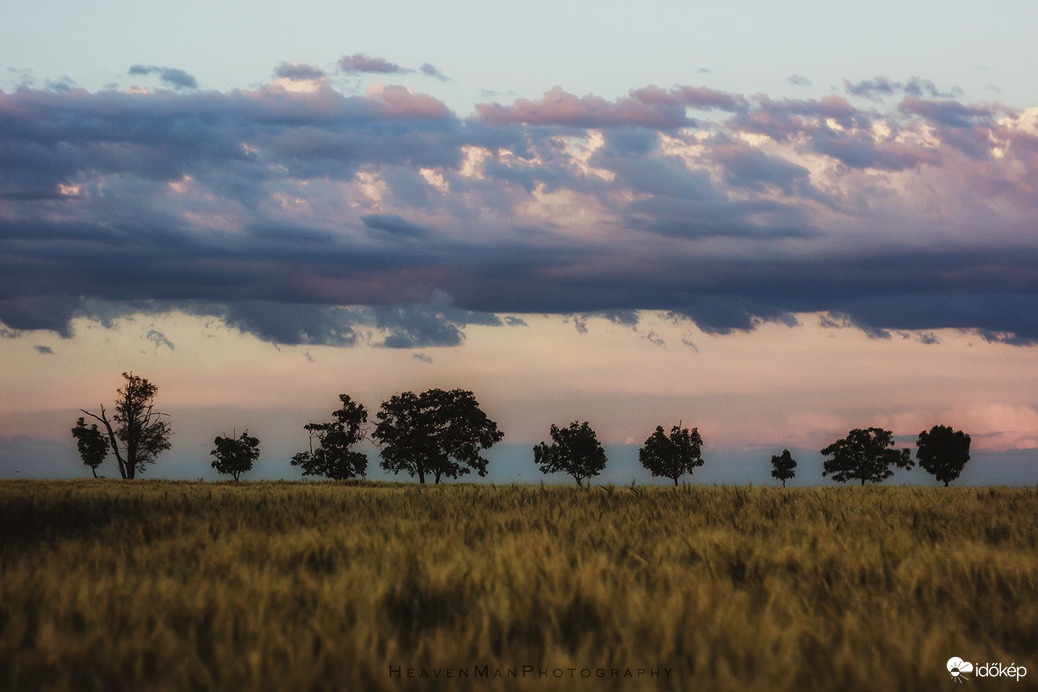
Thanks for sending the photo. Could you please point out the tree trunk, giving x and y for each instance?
(783, 482)
(112, 441)
(579, 484)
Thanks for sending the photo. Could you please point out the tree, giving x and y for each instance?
(574, 450)
(92, 445)
(674, 455)
(235, 456)
(783, 466)
(333, 457)
(137, 425)
(864, 455)
(943, 452)
(438, 433)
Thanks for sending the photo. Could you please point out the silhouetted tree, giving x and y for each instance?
(137, 425)
(92, 445)
(943, 452)
(672, 456)
(235, 456)
(783, 466)
(332, 457)
(864, 455)
(437, 432)
(574, 450)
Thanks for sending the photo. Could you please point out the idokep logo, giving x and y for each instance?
(958, 669)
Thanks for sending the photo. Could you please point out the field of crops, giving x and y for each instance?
(295, 586)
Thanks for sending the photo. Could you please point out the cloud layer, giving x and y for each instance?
(311, 216)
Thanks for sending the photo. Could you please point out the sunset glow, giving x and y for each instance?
(774, 265)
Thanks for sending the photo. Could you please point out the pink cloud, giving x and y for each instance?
(694, 97)
(558, 107)
(395, 101)
(359, 62)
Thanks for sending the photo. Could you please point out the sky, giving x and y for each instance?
(774, 223)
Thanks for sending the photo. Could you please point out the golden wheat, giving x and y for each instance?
(347, 586)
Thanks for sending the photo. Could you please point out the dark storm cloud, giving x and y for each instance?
(289, 323)
(171, 76)
(436, 323)
(395, 225)
(314, 217)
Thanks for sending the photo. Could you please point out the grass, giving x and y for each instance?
(171, 585)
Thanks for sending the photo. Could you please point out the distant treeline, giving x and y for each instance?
(441, 434)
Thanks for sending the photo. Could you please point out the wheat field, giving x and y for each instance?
(366, 586)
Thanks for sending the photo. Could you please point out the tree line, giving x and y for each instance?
(441, 434)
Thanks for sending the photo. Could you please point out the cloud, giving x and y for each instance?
(44, 350)
(317, 217)
(359, 62)
(558, 107)
(881, 86)
(747, 166)
(394, 225)
(655, 339)
(422, 357)
(159, 339)
(797, 80)
(287, 323)
(431, 71)
(298, 71)
(950, 113)
(171, 76)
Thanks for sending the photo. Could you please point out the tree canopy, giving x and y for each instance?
(574, 450)
(436, 433)
(136, 424)
(864, 455)
(783, 466)
(91, 443)
(943, 452)
(333, 457)
(672, 456)
(234, 456)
